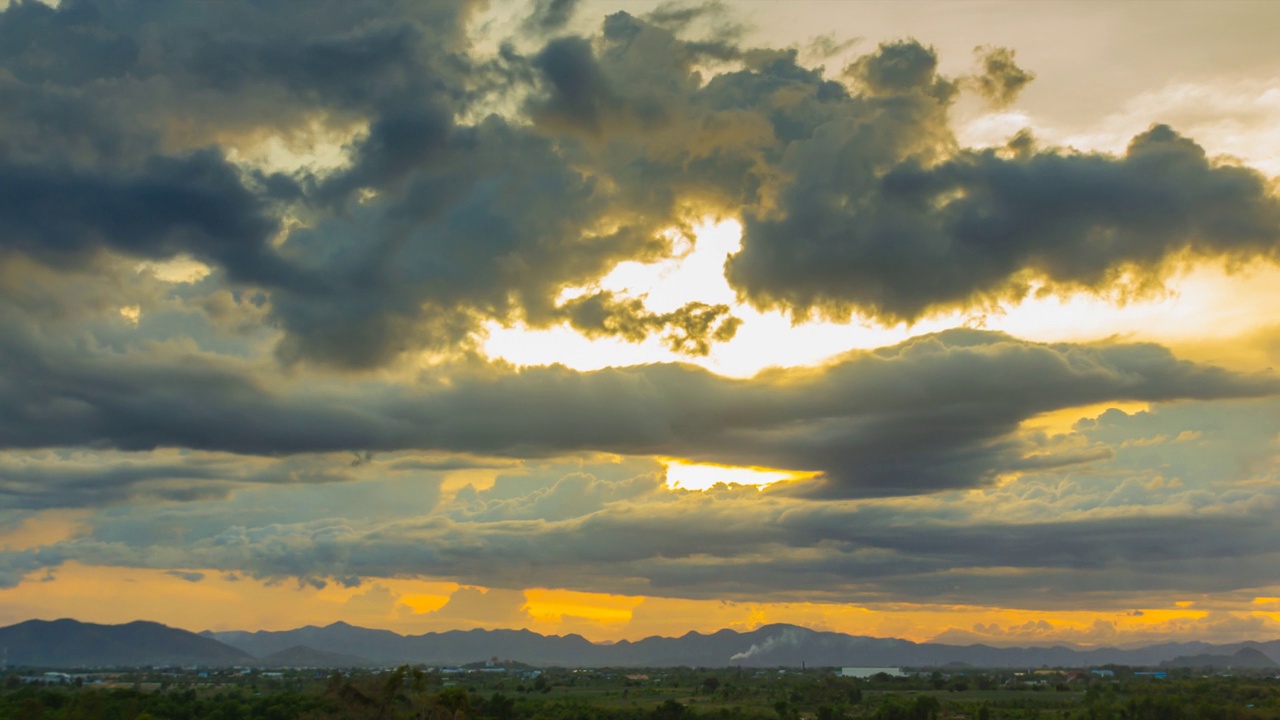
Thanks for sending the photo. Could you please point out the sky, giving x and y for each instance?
(945, 321)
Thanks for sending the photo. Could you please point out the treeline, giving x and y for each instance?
(411, 694)
(42, 703)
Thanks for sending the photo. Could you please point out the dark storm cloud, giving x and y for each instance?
(859, 200)
(56, 485)
(935, 412)
(881, 219)
(470, 222)
(478, 189)
(140, 401)
(494, 219)
(914, 238)
(326, 51)
(580, 93)
(192, 204)
(103, 479)
(855, 197)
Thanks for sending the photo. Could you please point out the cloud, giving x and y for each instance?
(898, 68)
(932, 413)
(572, 496)
(1001, 79)
(551, 15)
(689, 329)
(339, 309)
(41, 485)
(377, 601)
(476, 607)
(96, 479)
(193, 204)
(856, 198)
(976, 227)
(396, 73)
(981, 551)
(1053, 539)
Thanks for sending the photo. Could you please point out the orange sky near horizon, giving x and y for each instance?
(415, 607)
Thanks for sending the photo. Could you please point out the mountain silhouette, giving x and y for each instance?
(69, 643)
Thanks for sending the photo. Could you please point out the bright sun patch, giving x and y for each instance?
(179, 269)
(701, 476)
(1063, 421)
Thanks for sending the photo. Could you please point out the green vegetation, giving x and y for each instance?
(655, 694)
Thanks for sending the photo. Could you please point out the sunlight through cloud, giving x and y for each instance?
(704, 476)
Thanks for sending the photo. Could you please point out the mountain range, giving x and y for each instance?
(69, 643)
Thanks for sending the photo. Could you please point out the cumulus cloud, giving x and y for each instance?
(690, 329)
(1001, 79)
(339, 309)
(984, 227)
(854, 194)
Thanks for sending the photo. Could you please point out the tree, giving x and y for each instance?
(830, 712)
(500, 707)
(31, 709)
(668, 710)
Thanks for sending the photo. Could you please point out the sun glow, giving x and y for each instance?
(179, 269)
(1199, 302)
(1062, 421)
(702, 476)
(319, 145)
(553, 605)
(197, 600)
(695, 273)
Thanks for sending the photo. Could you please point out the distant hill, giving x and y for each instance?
(70, 643)
(300, 656)
(449, 648)
(768, 646)
(1247, 658)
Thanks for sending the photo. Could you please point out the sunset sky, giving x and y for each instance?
(946, 321)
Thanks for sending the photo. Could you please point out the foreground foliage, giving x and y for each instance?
(668, 694)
